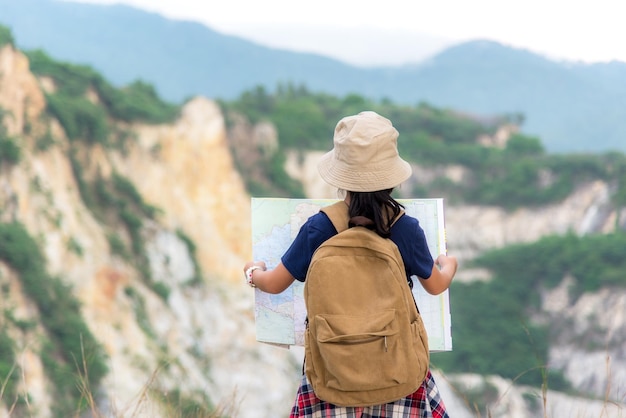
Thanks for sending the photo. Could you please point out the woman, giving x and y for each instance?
(365, 165)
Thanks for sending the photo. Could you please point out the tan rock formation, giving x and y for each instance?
(20, 96)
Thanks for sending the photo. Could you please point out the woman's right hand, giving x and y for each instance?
(441, 276)
(448, 263)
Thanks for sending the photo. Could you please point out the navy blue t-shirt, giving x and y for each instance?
(406, 233)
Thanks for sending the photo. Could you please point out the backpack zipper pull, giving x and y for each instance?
(385, 343)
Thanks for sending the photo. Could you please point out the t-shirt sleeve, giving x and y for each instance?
(411, 241)
(312, 234)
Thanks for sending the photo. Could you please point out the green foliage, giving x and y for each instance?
(439, 124)
(520, 174)
(191, 246)
(513, 182)
(141, 312)
(84, 188)
(299, 116)
(81, 119)
(594, 261)
(162, 290)
(45, 141)
(492, 336)
(10, 152)
(6, 37)
(520, 145)
(306, 121)
(73, 356)
(133, 225)
(117, 247)
(126, 190)
(301, 123)
(70, 79)
(280, 179)
(137, 102)
(255, 104)
(493, 333)
(480, 397)
(115, 201)
(189, 405)
(74, 246)
(22, 324)
(86, 120)
(9, 371)
(258, 189)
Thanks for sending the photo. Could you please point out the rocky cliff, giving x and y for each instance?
(196, 339)
(200, 340)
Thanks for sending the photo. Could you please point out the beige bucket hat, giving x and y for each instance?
(365, 155)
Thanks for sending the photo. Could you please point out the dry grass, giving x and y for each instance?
(610, 408)
(148, 402)
(11, 406)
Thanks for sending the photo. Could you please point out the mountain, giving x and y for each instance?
(363, 46)
(571, 106)
(181, 58)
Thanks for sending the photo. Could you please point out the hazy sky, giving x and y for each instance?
(398, 31)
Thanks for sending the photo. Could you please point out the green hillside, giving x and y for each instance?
(510, 177)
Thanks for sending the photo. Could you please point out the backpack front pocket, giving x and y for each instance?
(360, 352)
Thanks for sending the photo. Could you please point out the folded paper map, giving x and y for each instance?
(280, 319)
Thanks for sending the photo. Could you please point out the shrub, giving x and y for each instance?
(9, 371)
(81, 119)
(72, 354)
(136, 102)
(6, 37)
(191, 247)
(10, 152)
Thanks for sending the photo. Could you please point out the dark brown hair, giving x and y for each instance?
(374, 210)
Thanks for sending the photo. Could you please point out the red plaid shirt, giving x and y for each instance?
(425, 402)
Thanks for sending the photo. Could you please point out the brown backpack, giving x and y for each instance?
(365, 342)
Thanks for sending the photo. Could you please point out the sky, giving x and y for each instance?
(396, 32)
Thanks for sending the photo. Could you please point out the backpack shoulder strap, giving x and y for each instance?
(398, 217)
(338, 215)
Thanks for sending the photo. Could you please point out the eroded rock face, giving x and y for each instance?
(186, 170)
(21, 99)
(204, 329)
(588, 338)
